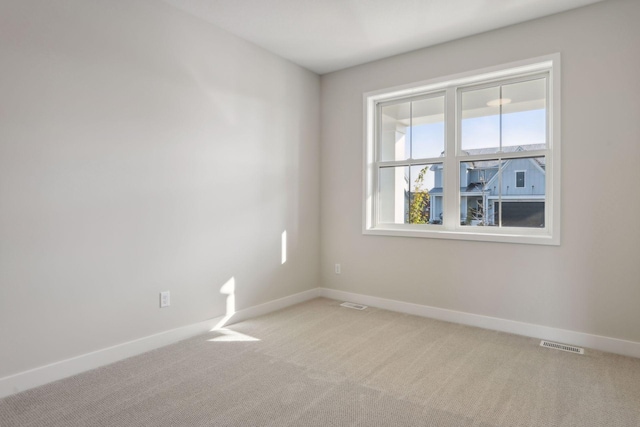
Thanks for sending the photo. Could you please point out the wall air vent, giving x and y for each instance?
(563, 347)
(353, 305)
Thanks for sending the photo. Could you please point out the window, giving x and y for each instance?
(473, 156)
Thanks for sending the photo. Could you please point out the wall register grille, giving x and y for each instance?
(353, 305)
(563, 347)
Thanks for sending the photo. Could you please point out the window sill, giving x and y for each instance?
(509, 235)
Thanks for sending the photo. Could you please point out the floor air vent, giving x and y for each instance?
(353, 305)
(563, 347)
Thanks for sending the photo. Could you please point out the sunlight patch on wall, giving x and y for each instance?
(229, 289)
(284, 247)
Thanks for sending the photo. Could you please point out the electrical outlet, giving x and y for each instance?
(338, 269)
(165, 299)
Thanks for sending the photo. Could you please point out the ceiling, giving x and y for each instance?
(329, 35)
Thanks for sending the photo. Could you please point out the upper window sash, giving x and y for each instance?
(493, 87)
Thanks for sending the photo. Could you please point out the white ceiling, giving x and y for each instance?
(328, 35)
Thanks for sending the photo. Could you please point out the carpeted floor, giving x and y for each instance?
(319, 364)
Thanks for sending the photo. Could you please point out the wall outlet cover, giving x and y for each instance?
(165, 299)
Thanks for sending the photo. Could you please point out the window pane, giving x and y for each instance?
(427, 128)
(423, 192)
(393, 198)
(394, 128)
(406, 194)
(480, 126)
(507, 118)
(524, 117)
(479, 186)
(491, 194)
(522, 206)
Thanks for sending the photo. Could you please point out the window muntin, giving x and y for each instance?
(478, 170)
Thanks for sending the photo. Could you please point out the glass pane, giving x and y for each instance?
(427, 128)
(394, 195)
(505, 118)
(479, 186)
(408, 194)
(506, 193)
(423, 192)
(524, 117)
(480, 126)
(436, 205)
(394, 128)
(522, 205)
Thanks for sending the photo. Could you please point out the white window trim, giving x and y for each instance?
(451, 228)
(524, 178)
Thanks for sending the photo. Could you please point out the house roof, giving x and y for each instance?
(507, 149)
(490, 164)
(473, 187)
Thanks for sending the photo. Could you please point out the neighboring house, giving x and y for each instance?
(520, 195)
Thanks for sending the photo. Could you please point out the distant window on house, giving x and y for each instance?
(441, 157)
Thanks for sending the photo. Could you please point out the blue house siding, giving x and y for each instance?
(482, 188)
(534, 180)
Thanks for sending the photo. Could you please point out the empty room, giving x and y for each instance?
(320, 213)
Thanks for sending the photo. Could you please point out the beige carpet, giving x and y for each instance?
(319, 364)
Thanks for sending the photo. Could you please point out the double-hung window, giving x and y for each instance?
(473, 156)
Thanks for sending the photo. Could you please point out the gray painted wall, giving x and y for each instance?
(143, 150)
(589, 283)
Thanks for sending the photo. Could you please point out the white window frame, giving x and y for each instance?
(451, 228)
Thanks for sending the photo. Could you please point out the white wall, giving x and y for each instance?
(589, 283)
(142, 150)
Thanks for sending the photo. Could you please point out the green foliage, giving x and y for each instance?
(419, 207)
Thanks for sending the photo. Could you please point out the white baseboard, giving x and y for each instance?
(268, 307)
(596, 342)
(45, 374)
(55, 371)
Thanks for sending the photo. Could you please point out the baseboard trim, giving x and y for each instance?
(268, 307)
(596, 342)
(55, 371)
